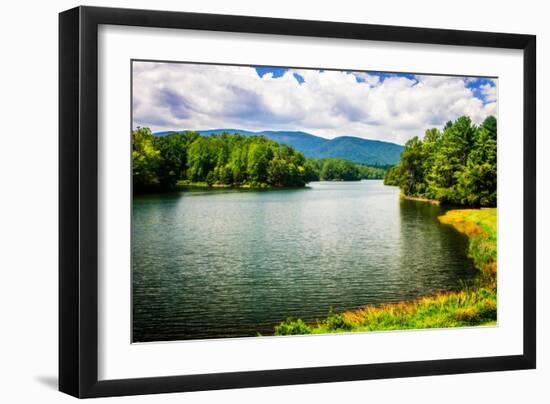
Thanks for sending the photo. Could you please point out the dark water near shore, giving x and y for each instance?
(230, 263)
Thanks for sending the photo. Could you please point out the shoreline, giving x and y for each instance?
(473, 305)
(420, 199)
(187, 185)
(180, 186)
(203, 185)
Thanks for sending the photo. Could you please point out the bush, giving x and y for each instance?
(338, 322)
(292, 327)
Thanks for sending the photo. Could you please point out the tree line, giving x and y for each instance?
(457, 165)
(337, 169)
(160, 162)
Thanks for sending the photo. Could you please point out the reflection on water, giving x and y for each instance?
(228, 263)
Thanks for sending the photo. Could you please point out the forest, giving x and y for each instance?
(337, 169)
(160, 163)
(456, 166)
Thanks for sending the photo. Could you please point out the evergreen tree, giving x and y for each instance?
(456, 166)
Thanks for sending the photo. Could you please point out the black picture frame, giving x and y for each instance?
(78, 201)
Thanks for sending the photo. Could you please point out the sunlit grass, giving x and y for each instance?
(480, 225)
(444, 310)
(474, 305)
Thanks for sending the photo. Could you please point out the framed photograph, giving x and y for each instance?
(249, 201)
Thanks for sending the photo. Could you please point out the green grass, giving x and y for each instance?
(480, 225)
(456, 309)
(474, 305)
(190, 184)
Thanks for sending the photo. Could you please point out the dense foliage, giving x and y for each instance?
(455, 166)
(362, 151)
(160, 162)
(335, 169)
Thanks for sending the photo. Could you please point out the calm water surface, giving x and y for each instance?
(229, 263)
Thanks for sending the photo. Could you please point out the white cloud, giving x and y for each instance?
(329, 103)
(489, 91)
(370, 79)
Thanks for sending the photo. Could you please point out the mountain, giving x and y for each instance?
(301, 141)
(359, 150)
(366, 151)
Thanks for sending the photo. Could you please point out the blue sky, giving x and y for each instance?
(328, 103)
(277, 72)
(477, 85)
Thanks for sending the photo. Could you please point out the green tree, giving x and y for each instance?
(449, 160)
(456, 166)
(173, 153)
(200, 159)
(477, 184)
(259, 155)
(146, 160)
(412, 168)
(277, 172)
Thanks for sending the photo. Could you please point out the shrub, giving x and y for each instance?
(292, 327)
(338, 322)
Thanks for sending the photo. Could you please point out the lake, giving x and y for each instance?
(233, 263)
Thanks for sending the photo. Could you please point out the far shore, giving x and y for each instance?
(260, 186)
(204, 185)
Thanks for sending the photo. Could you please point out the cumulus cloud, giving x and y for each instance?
(489, 91)
(392, 107)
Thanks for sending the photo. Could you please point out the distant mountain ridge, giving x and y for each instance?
(366, 151)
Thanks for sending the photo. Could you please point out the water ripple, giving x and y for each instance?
(228, 264)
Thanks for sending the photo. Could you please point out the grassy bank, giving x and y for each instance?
(480, 225)
(474, 305)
